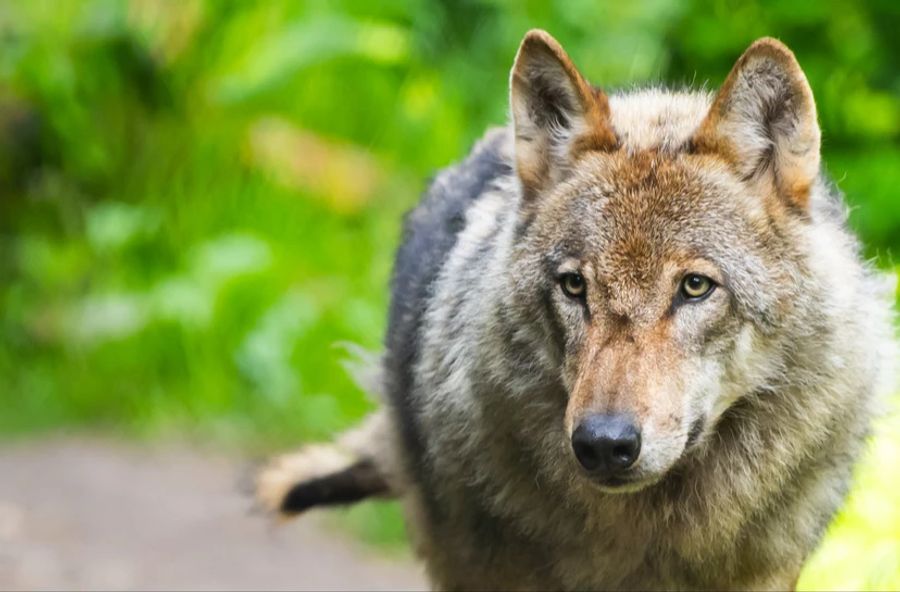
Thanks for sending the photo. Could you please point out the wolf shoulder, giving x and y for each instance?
(431, 229)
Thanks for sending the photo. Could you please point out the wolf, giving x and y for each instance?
(632, 343)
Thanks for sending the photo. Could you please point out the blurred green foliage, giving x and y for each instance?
(198, 199)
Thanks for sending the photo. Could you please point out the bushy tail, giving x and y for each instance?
(358, 465)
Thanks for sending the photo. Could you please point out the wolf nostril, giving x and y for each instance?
(606, 443)
(623, 454)
(586, 454)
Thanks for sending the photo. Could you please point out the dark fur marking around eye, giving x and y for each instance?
(557, 327)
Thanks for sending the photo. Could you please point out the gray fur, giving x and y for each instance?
(768, 386)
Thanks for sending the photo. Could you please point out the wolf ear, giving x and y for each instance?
(556, 113)
(763, 122)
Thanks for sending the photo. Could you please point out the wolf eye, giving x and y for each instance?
(572, 284)
(695, 286)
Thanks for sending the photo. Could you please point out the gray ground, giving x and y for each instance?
(78, 513)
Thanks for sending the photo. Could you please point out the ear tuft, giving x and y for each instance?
(556, 113)
(763, 121)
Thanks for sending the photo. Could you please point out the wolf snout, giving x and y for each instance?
(606, 444)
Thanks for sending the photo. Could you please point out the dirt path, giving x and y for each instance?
(91, 514)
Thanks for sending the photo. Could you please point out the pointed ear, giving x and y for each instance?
(763, 121)
(556, 113)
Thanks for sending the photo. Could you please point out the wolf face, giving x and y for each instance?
(660, 256)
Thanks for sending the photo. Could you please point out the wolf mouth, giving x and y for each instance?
(622, 483)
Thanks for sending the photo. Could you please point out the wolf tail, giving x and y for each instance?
(356, 466)
(359, 464)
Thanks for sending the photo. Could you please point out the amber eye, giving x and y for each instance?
(572, 284)
(695, 286)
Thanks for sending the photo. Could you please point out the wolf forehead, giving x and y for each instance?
(648, 205)
(657, 119)
(650, 175)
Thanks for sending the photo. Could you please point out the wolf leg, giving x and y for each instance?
(356, 466)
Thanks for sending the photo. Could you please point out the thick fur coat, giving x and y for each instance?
(677, 259)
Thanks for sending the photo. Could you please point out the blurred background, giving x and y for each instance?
(200, 200)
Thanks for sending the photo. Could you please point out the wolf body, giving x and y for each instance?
(550, 280)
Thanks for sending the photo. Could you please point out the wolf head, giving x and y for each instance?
(660, 234)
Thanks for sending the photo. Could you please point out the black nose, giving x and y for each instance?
(606, 443)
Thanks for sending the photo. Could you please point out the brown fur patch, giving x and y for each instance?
(624, 373)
